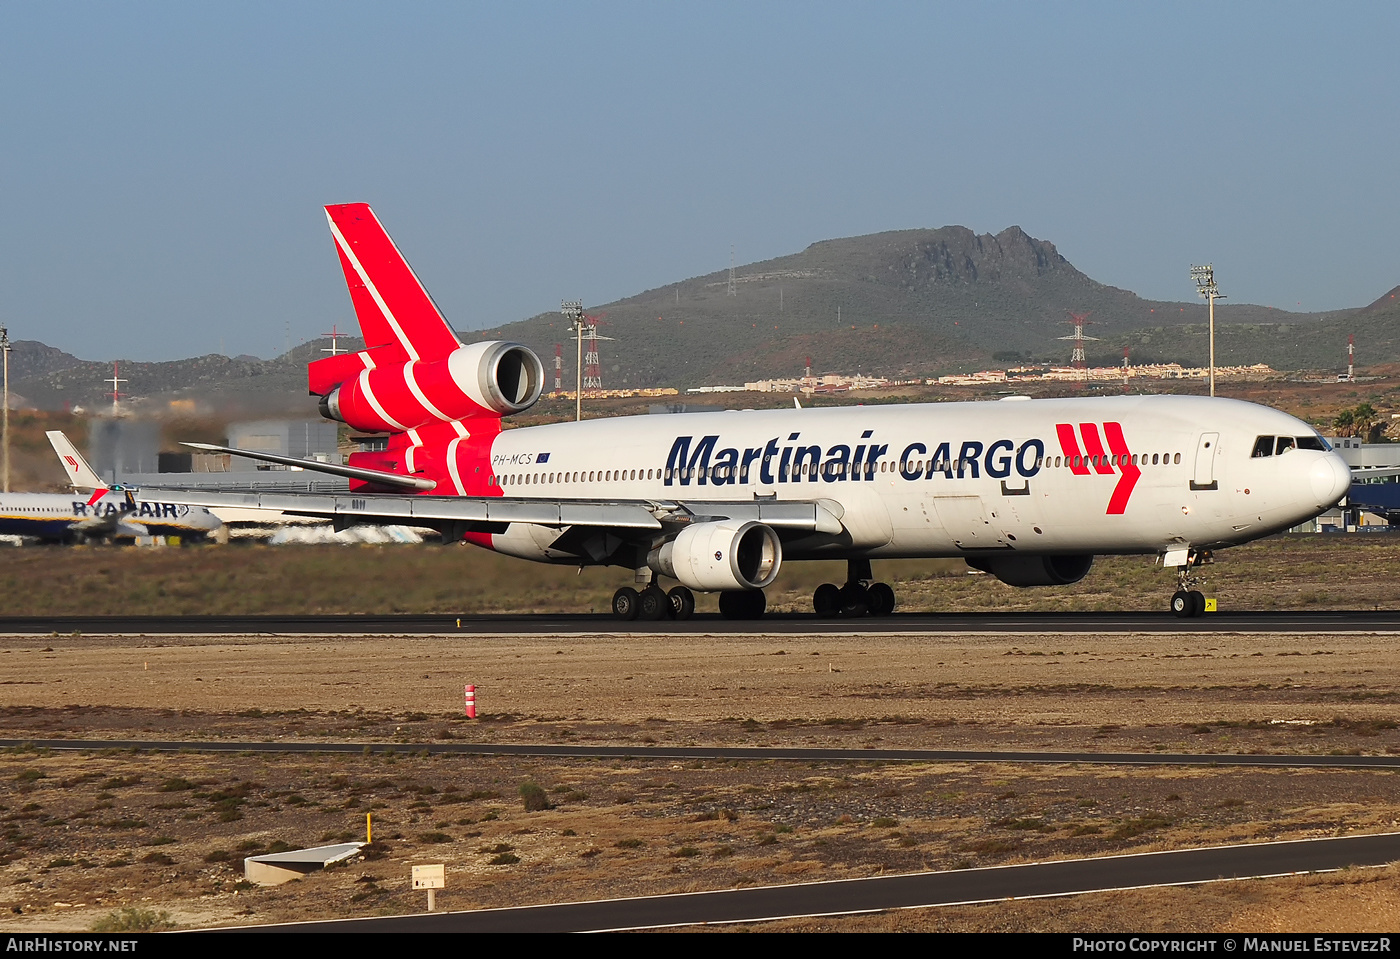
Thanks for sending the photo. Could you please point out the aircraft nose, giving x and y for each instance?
(1330, 477)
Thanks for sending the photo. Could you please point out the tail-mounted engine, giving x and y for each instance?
(732, 554)
(484, 379)
(1035, 570)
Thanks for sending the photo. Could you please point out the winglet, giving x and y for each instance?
(80, 474)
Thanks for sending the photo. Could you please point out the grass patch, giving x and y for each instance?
(131, 919)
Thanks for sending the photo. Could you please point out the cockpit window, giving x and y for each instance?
(1278, 445)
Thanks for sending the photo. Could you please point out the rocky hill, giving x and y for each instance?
(914, 301)
(910, 302)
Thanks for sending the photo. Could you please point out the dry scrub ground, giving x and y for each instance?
(82, 834)
(1289, 572)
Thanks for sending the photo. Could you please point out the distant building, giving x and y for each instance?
(121, 447)
(303, 439)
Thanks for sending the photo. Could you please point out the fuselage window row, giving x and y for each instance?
(840, 469)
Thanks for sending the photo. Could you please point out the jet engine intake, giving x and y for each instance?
(730, 554)
(494, 378)
(1035, 570)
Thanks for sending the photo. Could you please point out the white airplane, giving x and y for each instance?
(100, 512)
(1027, 490)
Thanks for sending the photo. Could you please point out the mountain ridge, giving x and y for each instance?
(915, 302)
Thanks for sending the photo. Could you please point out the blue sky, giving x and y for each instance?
(164, 164)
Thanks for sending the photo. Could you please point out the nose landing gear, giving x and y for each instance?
(1189, 602)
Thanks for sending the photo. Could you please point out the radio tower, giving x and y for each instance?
(1351, 357)
(558, 367)
(733, 290)
(1125, 369)
(116, 382)
(592, 367)
(1079, 321)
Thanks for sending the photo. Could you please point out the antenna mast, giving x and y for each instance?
(1205, 286)
(573, 309)
(335, 335)
(116, 382)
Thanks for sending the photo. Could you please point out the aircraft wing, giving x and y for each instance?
(331, 469)
(491, 514)
(95, 525)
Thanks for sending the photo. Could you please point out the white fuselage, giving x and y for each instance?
(1133, 474)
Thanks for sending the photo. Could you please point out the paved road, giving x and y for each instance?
(1364, 621)
(749, 753)
(1256, 860)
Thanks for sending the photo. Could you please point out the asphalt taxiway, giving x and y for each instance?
(731, 753)
(881, 893)
(1075, 623)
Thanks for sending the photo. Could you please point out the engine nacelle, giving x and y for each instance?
(732, 554)
(484, 379)
(1035, 570)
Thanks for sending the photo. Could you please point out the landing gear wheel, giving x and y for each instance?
(855, 600)
(626, 602)
(1182, 605)
(880, 598)
(682, 602)
(1198, 602)
(742, 603)
(653, 604)
(827, 601)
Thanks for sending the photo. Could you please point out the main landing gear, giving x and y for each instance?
(857, 598)
(653, 603)
(1189, 602)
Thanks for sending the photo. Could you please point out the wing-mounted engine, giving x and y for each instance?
(1035, 570)
(732, 554)
(494, 379)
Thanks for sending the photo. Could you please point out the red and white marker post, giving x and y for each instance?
(469, 698)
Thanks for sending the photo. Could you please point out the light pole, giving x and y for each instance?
(573, 309)
(5, 421)
(1205, 286)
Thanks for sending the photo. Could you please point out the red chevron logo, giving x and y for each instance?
(1118, 458)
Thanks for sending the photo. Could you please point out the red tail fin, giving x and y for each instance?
(393, 308)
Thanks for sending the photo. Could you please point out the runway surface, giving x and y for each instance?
(962, 887)
(1331, 622)
(750, 753)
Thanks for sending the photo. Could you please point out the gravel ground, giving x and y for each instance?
(87, 833)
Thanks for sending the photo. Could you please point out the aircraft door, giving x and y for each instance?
(965, 519)
(915, 522)
(1205, 462)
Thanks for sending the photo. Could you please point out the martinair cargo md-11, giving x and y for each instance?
(1027, 490)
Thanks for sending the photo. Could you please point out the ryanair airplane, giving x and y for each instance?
(100, 512)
